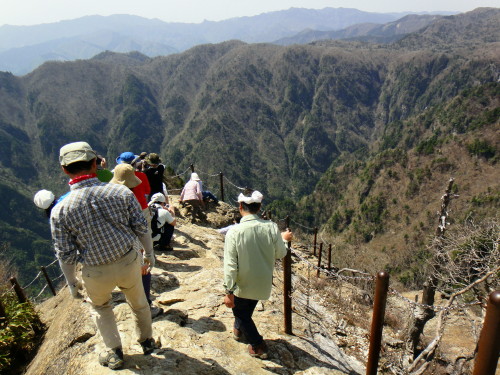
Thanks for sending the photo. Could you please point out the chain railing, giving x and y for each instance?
(302, 304)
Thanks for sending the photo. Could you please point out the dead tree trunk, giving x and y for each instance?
(424, 313)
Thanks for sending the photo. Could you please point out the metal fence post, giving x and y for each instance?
(287, 286)
(49, 282)
(381, 289)
(330, 257)
(192, 168)
(489, 340)
(19, 291)
(319, 259)
(315, 240)
(221, 176)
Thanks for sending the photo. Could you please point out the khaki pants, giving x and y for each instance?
(99, 282)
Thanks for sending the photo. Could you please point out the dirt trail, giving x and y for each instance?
(195, 332)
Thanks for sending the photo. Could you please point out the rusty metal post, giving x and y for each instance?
(319, 259)
(49, 282)
(287, 286)
(330, 257)
(381, 288)
(221, 176)
(192, 168)
(19, 291)
(489, 340)
(315, 240)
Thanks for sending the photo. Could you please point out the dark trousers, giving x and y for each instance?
(243, 321)
(207, 195)
(146, 283)
(166, 235)
(195, 206)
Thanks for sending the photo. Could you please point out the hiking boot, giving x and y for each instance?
(259, 351)
(112, 358)
(148, 346)
(237, 334)
(155, 311)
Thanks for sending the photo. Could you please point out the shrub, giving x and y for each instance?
(19, 333)
(481, 148)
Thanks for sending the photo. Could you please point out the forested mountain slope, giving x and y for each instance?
(286, 120)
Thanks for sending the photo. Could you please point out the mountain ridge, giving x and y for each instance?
(40, 43)
(280, 119)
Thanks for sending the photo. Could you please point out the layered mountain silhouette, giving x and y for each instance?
(23, 48)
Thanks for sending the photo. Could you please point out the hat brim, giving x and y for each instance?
(131, 182)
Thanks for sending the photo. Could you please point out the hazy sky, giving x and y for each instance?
(31, 12)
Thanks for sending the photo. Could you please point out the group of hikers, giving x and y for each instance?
(111, 222)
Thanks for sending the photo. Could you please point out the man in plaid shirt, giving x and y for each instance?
(97, 224)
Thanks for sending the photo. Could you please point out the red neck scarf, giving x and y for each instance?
(82, 178)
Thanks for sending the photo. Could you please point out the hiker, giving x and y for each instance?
(192, 196)
(250, 250)
(154, 171)
(125, 175)
(103, 174)
(207, 195)
(97, 225)
(162, 222)
(139, 162)
(141, 191)
(46, 200)
(226, 229)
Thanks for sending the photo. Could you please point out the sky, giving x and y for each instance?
(32, 12)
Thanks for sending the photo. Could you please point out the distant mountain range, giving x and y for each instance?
(23, 48)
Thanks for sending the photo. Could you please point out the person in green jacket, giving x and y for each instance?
(250, 251)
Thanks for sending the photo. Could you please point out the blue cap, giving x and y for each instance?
(125, 157)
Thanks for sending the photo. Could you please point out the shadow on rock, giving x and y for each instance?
(292, 359)
(179, 317)
(169, 361)
(206, 324)
(191, 240)
(164, 282)
(176, 267)
(202, 325)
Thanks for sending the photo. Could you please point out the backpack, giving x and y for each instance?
(154, 220)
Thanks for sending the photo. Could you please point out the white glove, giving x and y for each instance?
(74, 284)
(75, 288)
(150, 260)
(149, 253)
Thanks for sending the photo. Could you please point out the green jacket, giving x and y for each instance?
(250, 250)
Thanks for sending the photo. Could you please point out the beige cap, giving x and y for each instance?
(76, 151)
(124, 174)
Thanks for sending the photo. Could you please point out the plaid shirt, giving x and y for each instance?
(96, 223)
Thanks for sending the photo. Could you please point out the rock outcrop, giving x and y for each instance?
(195, 332)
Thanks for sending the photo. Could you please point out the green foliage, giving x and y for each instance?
(373, 209)
(281, 208)
(481, 148)
(25, 242)
(340, 220)
(19, 332)
(393, 134)
(487, 199)
(427, 146)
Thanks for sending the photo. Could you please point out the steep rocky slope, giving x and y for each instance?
(196, 330)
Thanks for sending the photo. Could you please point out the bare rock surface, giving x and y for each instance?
(195, 331)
